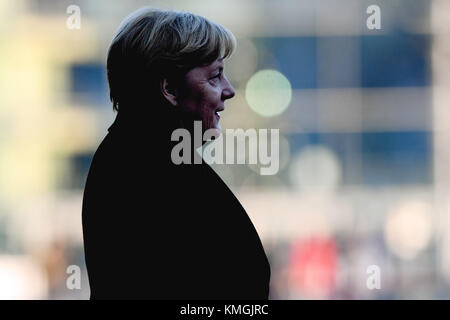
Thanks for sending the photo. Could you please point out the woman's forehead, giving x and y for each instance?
(216, 64)
(205, 70)
(212, 66)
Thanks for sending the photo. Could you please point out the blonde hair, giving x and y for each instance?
(151, 44)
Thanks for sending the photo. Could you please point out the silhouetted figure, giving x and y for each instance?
(153, 229)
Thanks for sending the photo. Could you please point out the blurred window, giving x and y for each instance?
(89, 84)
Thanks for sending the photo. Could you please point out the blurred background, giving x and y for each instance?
(364, 123)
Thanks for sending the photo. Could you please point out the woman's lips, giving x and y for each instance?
(217, 112)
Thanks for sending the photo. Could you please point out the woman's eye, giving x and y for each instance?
(217, 77)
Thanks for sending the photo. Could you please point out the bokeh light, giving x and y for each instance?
(21, 278)
(268, 93)
(408, 228)
(316, 168)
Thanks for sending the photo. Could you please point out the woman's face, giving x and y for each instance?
(204, 93)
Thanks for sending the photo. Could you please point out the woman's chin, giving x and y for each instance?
(213, 132)
(216, 130)
(213, 126)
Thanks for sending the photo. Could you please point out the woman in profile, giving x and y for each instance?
(154, 229)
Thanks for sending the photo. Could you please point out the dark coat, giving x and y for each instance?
(155, 230)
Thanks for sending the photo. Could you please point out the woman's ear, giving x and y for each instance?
(169, 92)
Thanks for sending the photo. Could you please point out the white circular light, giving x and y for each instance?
(408, 229)
(268, 93)
(316, 168)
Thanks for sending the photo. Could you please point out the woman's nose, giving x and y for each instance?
(228, 91)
